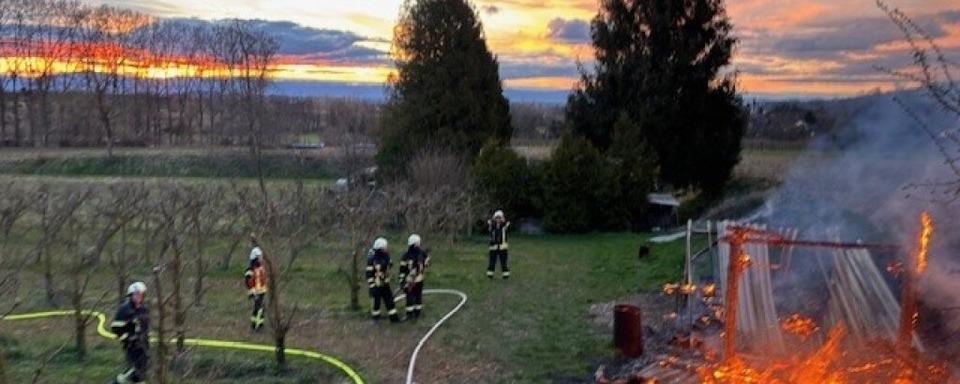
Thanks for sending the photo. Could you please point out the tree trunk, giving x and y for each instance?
(16, 116)
(354, 282)
(225, 261)
(280, 351)
(48, 284)
(3, 367)
(179, 315)
(104, 113)
(161, 360)
(122, 272)
(277, 320)
(3, 120)
(80, 323)
(198, 260)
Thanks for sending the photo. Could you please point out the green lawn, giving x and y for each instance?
(534, 328)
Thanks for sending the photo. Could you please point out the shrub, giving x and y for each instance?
(579, 189)
(506, 181)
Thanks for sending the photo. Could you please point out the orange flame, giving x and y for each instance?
(800, 326)
(831, 363)
(925, 233)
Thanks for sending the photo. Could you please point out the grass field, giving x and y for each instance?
(534, 328)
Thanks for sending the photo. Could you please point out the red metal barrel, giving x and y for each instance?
(627, 330)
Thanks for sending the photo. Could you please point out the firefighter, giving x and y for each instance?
(412, 266)
(255, 278)
(378, 279)
(498, 244)
(131, 324)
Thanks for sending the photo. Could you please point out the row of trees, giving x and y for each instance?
(62, 243)
(76, 75)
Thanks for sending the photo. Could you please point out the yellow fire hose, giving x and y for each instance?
(102, 319)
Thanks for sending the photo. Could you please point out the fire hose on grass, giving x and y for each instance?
(237, 345)
(416, 351)
(223, 344)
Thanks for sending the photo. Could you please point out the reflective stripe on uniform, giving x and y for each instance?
(118, 324)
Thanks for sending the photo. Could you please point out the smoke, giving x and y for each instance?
(869, 181)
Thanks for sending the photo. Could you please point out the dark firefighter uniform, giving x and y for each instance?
(498, 247)
(256, 280)
(378, 278)
(412, 266)
(131, 324)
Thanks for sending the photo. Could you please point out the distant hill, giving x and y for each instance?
(802, 120)
(376, 93)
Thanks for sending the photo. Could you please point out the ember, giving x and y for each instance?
(800, 326)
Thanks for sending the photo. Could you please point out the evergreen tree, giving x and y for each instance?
(447, 90)
(660, 63)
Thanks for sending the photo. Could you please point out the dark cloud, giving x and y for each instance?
(313, 43)
(570, 31)
(851, 42)
(854, 34)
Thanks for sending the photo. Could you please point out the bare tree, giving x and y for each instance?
(56, 26)
(248, 54)
(361, 216)
(936, 75)
(123, 204)
(232, 226)
(106, 32)
(54, 212)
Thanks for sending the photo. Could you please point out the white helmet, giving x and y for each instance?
(255, 253)
(137, 287)
(414, 239)
(380, 243)
(497, 214)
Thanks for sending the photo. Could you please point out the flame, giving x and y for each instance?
(709, 290)
(831, 363)
(800, 326)
(925, 233)
(670, 288)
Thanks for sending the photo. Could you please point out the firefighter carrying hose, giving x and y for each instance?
(412, 266)
(255, 278)
(378, 278)
(131, 324)
(498, 244)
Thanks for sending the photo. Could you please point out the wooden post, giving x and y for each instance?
(688, 278)
(734, 269)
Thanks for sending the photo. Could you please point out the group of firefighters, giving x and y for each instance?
(131, 324)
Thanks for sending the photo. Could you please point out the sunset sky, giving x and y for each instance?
(787, 47)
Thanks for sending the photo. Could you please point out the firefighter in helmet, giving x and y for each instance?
(255, 278)
(412, 266)
(378, 279)
(131, 324)
(497, 227)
